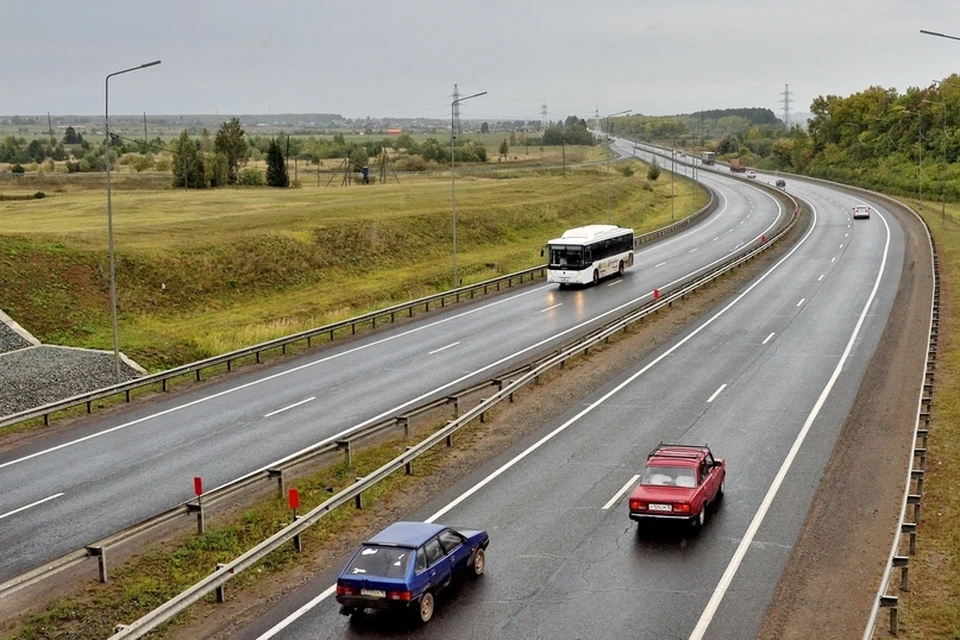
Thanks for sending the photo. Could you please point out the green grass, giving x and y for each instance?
(152, 578)
(932, 608)
(242, 265)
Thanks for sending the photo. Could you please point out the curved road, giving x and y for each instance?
(70, 489)
(767, 381)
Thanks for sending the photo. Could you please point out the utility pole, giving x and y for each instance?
(50, 124)
(144, 130)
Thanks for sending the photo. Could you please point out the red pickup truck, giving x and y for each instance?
(679, 482)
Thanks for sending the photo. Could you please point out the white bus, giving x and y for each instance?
(586, 254)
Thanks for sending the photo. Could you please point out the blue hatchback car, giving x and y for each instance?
(406, 564)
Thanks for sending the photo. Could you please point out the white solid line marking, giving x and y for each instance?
(615, 282)
(632, 481)
(550, 307)
(802, 300)
(449, 346)
(283, 624)
(659, 265)
(767, 339)
(820, 278)
(711, 609)
(32, 504)
(717, 392)
(288, 407)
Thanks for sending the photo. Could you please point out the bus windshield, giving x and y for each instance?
(566, 256)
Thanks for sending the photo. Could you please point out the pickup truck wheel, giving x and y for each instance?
(479, 562)
(426, 607)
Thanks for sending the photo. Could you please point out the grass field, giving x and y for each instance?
(932, 607)
(203, 272)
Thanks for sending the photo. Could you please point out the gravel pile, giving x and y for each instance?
(36, 376)
(10, 340)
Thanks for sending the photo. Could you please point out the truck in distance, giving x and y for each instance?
(737, 166)
(709, 157)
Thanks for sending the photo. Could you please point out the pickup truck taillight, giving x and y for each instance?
(682, 507)
(402, 596)
(637, 505)
(346, 591)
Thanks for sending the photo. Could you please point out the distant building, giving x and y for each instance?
(394, 132)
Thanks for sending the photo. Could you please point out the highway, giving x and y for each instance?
(767, 381)
(69, 489)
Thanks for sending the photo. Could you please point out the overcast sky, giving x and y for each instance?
(394, 58)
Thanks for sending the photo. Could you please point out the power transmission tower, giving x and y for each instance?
(786, 106)
(543, 117)
(456, 127)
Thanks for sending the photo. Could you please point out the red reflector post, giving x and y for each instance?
(198, 486)
(294, 499)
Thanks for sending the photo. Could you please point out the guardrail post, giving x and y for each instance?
(101, 555)
(297, 542)
(345, 445)
(891, 603)
(456, 405)
(404, 422)
(221, 590)
(409, 466)
(914, 499)
(198, 508)
(359, 499)
(917, 474)
(911, 529)
(902, 562)
(278, 474)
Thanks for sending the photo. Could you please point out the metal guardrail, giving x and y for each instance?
(913, 487)
(225, 572)
(339, 442)
(329, 330)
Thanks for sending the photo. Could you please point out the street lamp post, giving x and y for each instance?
(113, 263)
(453, 186)
(919, 154)
(610, 149)
(943, 171)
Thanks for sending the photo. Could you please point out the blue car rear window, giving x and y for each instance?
(379, 561)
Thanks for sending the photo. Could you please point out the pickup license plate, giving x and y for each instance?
(661, 507)
(373, 593)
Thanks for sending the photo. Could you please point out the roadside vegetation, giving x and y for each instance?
(202, 272)
(931, 609)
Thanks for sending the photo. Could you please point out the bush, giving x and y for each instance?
(252, 177)
(412, 163)
(626, 171)
(654, 171)
(17, 169)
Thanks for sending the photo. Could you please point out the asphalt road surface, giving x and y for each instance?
(767, 382)
(71, 488)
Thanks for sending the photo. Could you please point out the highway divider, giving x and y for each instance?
(508, 386)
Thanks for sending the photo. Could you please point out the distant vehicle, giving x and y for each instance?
(586, 254)
(752, 174)
(405, 565)
(737, 166)
(781, 183)
(709, 157)
(679, 482)
(861, 211)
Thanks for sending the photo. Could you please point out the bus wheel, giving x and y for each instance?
(620, 270)
(596, 276)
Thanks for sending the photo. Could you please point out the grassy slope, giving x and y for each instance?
(245, 265)
(932, 608)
